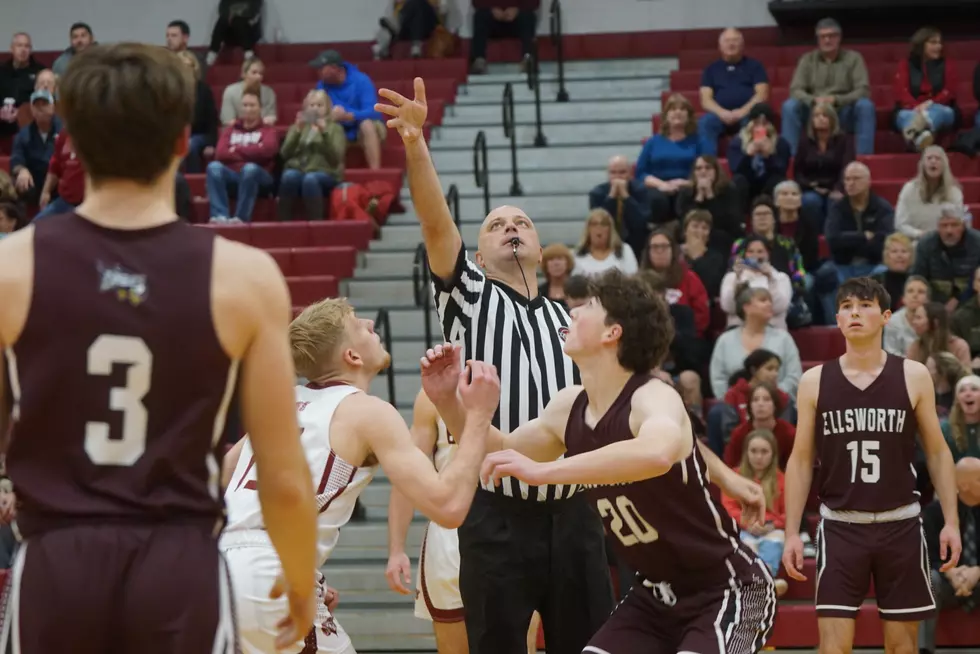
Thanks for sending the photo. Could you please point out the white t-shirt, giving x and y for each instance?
(586, 264)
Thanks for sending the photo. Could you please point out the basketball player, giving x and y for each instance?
(437, 596)
(628, 440)
(858, 416)
(124, 330)
(346, 434)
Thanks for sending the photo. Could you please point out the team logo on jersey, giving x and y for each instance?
(127, 286)
(563, 333)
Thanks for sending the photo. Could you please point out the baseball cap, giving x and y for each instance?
(327, 58)
(42, 94)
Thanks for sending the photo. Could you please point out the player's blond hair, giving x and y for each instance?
(316, 334)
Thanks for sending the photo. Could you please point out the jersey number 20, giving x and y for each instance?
(635, 530)
(107, 351)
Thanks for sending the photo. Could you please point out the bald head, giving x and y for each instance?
(619, 168)
(968, 480)
(857, 180)
(731, 44)
(502, 213)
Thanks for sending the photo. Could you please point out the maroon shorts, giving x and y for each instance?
(893, 554)
(718, 621)
(146, 589)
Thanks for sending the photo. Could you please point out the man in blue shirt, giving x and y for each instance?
(353, 95)
(730, 87)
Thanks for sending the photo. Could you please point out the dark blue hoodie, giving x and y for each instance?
(357, 95)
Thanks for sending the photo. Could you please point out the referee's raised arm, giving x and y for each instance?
(442, 239)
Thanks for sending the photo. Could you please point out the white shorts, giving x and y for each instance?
(254, 569)
(437, 595)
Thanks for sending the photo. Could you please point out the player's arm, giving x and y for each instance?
(16, 289)
(268, 404)
(230, 462)
(799, 468)
(424, 433)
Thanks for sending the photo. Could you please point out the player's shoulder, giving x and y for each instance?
(565, 398)
(917, 374)
(810, 379)
(16, 250)
(369, 411)
(247, 262)
(247, 276)
(16, 282)
(657, 395)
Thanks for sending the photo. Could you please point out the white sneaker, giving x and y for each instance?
(416, 50)
(211, 58)
(249, 55)
(217, 220)
(234, 221)
(378, 52)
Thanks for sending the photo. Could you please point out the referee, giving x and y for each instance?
(522, 548)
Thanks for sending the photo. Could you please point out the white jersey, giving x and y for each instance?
(338, 482)
(445, 447)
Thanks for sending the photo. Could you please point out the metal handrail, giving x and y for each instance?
(559, 43)
(452, 199)
(481, 174)
(383, 323)
(534, 83)
(510, 131)
(421, 287)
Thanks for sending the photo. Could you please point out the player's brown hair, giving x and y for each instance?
(648, 329)
(316, 333)
(864, 288)
(126, 106)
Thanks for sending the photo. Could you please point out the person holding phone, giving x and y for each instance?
(753, 269)
(758, 157)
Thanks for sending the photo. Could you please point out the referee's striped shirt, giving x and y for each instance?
(523, 339)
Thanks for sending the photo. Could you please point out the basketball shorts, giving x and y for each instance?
(437, 595)
(892, 554)
(254, 566)
(652, 619)
(119, 588)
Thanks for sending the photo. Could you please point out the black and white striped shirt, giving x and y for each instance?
(523, 339)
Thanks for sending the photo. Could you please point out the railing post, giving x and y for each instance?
(423, 291)
(510, 131)
(452, 199)
(534, 83)
(559, 41)
(384, 323)
(481, 171)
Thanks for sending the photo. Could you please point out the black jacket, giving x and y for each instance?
(845, 236)
(205, 113)
(949, 270)
(17, 83)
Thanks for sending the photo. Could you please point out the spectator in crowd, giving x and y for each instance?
(925, 90)
(899, 332)
(835, 76)
(353, 97)
(576, 291)
(415, 21)
(857, 226)
(946, 371)
(81, 37)
(966, 321)
(8, 191)
(600, 247)
(64, 186)
(709, 189)
(799, 224)
(11, 218)
(313, 158)
(730, 87)
(17, 79)
(784, 256)
(763, 410)
(557, 263)
(962, 428)
(682, 285)
(33, 148)
(253, 73)
(948, 256)
(243, 162)
(753, 269)
(897, 258)
(627, 200)
(495, 19)
(821, 157)
(665, 162)
(709, 265)
(931, 323)
(958, 587)
(46, 80)
(177, 36)
(761, 367)
(758, 462)
(204, 127)
(754, 309)
(239, 24)
(919, 202)
(758, 156)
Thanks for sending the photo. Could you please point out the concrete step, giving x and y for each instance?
(540, 208)
(582, 70)
(370, 535)
(387, 293)
(386, 263)
(622, 88)
(593, 111)
(573, 183)
(564, 134)
(401, 238)
(406, 322)
(361, 579)
(550, 158)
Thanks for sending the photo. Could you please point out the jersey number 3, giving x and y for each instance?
(870, 463)
(635, 530)
(106, 352)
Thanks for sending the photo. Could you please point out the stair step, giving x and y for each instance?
(531, 158)
(625, 88)
(556, 113)
(564, 134)
(573, 183)
(369, 536)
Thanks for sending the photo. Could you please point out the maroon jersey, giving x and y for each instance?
(120, 385)
(667, 528)
(865, 440)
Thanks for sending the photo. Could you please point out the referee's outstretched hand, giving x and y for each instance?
(407, 116)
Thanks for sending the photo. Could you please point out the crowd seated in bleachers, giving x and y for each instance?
(33, 147)
(682, 286)
(696, 252)
(823, 152)
(429, 25)
(918, 208)
(897, 259)
(965, 322)
(64, 186)
(628, 200)
(784, 255)
(797, 223)
(502, 19)
(755, 270)
(761, 366)
(931, 324)
(925, 90)
(600, 248)
(946, 370)
(557, 263)
(81, 37)
(765, 405)
(710, 189)
(758, 156)
(253, 75)
(962, 428)
(204, 128)
(239, 24)
(17, 77)
(352, 96)
(948, 256)
(900, 332)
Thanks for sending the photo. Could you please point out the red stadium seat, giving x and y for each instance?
(307, 290)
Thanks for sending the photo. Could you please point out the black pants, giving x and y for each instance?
(518, 556)
(749, 189)
(485, 27)
(418, 21)
(236, 32)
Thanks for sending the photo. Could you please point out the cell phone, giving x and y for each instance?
(310, 117)
(752, 262)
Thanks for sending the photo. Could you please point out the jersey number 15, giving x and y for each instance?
(870, 465)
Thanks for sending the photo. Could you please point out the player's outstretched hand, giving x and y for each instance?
(440, 372)
(511, 463)
(407, 116)
(950, 547)
(399, 573)
(302, 610)
(331, 598)
(479, 389)
(793, 557)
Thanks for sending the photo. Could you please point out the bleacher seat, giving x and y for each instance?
(298, 234)
(307, 290)
(333, 261)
